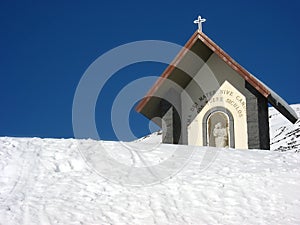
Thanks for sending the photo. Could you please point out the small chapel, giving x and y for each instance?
(205, 98)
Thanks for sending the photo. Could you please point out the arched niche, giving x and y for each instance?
(218, 128)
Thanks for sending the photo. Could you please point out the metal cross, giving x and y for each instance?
(200, 21)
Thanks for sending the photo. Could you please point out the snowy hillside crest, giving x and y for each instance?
(69, 181)
(284, 135)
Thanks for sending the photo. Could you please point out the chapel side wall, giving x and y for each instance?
(252, 121)
(264, 129)
(171, 111)
(167, 123)
(258, 117)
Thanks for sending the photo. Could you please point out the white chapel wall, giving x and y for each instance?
(218, 83)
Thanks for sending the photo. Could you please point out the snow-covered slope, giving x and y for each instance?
(58, 181)
(50, 181)
(284, 135)
(154, 138)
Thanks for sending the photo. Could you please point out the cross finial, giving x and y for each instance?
(200, 20)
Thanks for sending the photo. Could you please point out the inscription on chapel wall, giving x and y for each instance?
(220, 97)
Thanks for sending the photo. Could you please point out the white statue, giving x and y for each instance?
(221, 136)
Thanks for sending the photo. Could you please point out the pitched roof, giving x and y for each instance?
(275, 100)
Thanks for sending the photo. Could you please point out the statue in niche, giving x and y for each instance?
(221, 135)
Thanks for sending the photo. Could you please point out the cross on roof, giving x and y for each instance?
(200, 21)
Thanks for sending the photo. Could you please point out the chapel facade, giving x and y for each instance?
(206, 98)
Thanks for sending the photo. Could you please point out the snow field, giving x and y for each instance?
(66, 181)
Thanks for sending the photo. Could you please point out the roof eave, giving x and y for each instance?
(272, 97)
(167, 72)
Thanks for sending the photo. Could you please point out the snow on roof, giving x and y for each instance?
(282, 106)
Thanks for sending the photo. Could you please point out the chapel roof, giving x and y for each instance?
(149, 104)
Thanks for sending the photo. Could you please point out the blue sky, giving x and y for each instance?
(46, 46)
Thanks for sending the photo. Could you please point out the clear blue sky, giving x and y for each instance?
(46, 46)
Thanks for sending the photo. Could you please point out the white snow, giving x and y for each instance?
(67, 181)
(284, 135)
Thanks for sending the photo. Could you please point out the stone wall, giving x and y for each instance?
(171, 104)
(258, 120)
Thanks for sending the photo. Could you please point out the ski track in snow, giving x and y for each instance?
(47, 181)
